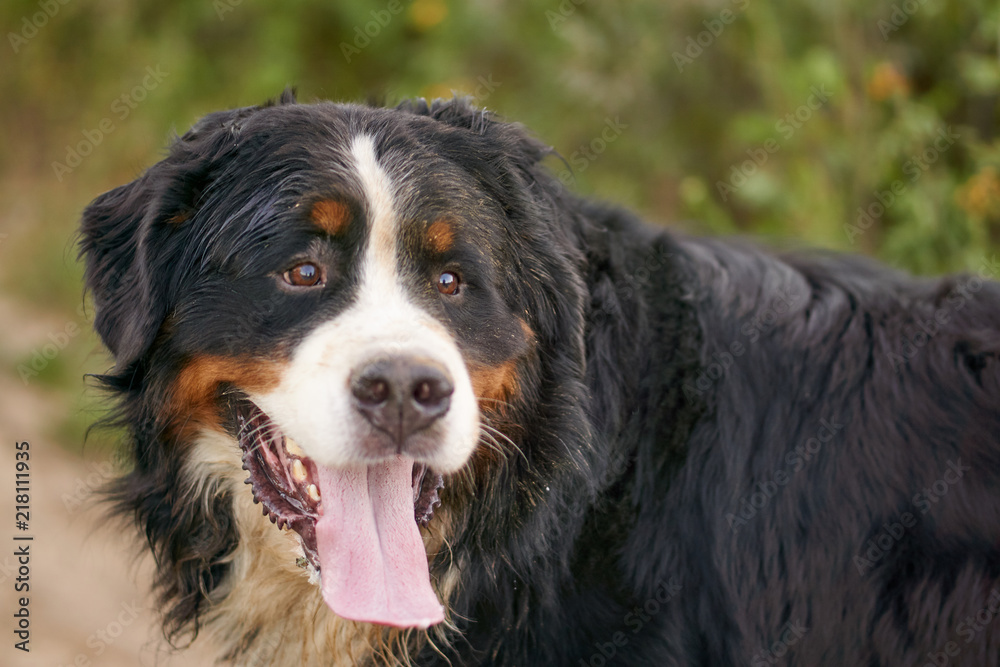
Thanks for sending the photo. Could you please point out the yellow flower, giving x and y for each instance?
(425, 14)
(980, 196)
(886, 81)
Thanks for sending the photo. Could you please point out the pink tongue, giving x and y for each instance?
(372, 560)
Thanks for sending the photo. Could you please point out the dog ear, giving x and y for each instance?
(457, 111)
(113, 232)
(128, 235)
(460, 112)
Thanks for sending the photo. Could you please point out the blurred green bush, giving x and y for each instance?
(870, 127)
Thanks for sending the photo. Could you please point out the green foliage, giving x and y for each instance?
(789, 119)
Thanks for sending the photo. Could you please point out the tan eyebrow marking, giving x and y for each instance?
(331, 216)
(180, 217)
(440, 236)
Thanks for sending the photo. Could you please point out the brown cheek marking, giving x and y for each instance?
(193, 394)
(494, 385)
(440, 236)
(331, 216)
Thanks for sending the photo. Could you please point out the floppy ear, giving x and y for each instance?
(113, 235)
(459, 112)
(128, 235)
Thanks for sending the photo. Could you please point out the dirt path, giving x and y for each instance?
(88, 600)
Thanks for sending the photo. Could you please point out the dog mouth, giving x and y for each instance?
(359, 526)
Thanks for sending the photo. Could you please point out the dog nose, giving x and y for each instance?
(402, 395)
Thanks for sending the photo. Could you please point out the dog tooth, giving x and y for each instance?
(313, 492)
(298, 471)
(293, 447)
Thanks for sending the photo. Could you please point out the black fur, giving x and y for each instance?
(645, 522)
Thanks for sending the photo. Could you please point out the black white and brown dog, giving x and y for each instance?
(489, 422)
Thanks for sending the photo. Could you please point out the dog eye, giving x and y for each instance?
(447, 283)
(305, 274)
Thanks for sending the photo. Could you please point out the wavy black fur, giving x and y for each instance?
(646, 523)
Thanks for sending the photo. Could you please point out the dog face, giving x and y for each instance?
(348, 295)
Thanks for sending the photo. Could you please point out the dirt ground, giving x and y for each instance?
(88, 602)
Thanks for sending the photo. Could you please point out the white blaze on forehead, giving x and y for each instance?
(313, 403)
(379, 268)
(382, 312)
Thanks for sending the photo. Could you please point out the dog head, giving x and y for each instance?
(349, 300)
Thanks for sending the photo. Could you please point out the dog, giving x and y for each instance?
(394, 395)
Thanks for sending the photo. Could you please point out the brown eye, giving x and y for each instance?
(305, 274)
(447, 283)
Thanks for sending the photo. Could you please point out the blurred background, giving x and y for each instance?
(868, 127)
